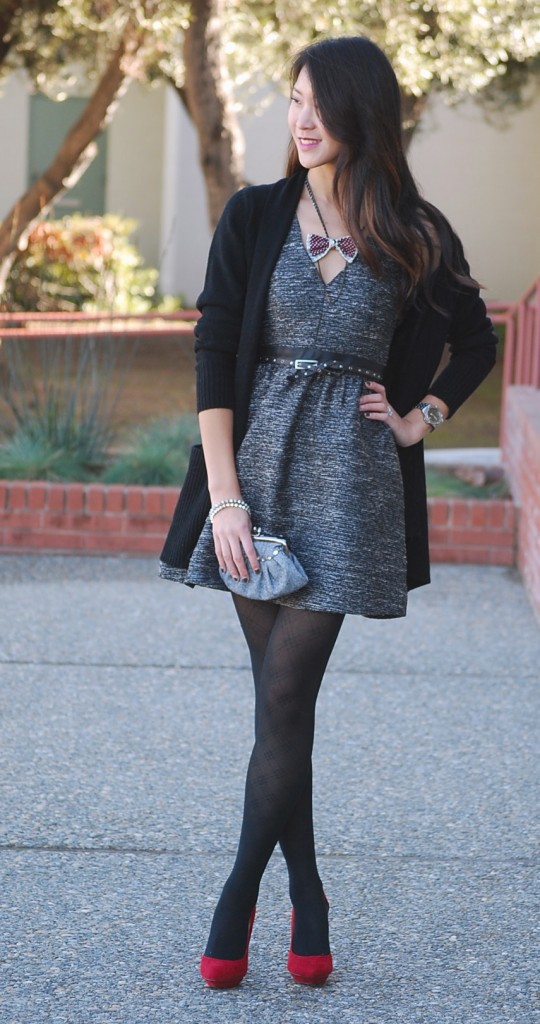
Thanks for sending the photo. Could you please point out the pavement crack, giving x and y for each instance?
(212, 667)
(485, 861)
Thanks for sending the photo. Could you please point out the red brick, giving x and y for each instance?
(170, 498)
(54, 520)
(454, 554)
(59, 541)
(42, 539)
(438, 534)
(114, 497)
(146, 525)
(497, 513)
(79, 522)
(65, 521)
(95, 498)
(502, 556)
(459, 513)
(4, 491)
(471, 555)
(75, 494)
(483, 538)
(137, 544)
(480, 554)
(437, 552)
(438, 512)
(104, 542)
(500, 538)
(106, 523)
(479, 513)
(56, 497)
(16, 538)
(153, 500)
(511, 519)
(38, 493)
(17, 495)
(22, 519)
(134, 499)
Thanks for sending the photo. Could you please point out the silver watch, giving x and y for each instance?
(431, 413)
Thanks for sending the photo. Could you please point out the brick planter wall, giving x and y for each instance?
(105, 519)
(521, 456)
(477, 531)
(85, 518)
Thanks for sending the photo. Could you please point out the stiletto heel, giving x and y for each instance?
(308, 970)
(227, 973)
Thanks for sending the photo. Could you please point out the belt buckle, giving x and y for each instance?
(305, 364)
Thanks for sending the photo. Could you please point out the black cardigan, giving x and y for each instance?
(243, 253)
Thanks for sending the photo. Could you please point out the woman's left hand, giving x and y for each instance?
(407, 430)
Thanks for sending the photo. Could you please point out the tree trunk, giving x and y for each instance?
(71, 160)
(208, 96)
(412, 108)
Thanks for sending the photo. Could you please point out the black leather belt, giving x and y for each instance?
(306, 361)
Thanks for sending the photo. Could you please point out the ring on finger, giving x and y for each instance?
(389, 410)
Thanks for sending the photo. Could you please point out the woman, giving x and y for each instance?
(328, 300)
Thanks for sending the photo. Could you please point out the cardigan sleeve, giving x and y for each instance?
(472, 342)
(221, 303)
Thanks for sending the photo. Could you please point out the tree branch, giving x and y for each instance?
(74, 154)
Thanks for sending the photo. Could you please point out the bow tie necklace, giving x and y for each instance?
(319, 245)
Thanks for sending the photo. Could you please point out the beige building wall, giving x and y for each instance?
(487, 181)
(14, 119)
(185, 231)
(135, 165)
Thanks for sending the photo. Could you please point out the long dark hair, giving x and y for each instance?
(359, 104)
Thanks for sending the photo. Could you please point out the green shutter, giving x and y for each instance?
(49, 124)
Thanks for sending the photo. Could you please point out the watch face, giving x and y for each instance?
(433, 415)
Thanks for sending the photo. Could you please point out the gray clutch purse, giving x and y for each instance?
(281, 572)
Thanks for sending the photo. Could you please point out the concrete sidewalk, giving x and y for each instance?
(126, 729)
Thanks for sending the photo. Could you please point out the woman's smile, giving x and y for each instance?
(305, 143)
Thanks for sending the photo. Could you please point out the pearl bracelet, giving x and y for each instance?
(228, 503)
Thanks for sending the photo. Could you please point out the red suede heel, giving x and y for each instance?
(227, 973)
(309, 970)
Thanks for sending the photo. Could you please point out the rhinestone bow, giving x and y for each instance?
(318, 246)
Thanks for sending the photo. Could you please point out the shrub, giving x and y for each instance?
(60, 392)
(27, 457)
(81, 264)
(157, 455)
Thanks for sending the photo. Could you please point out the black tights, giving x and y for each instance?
(289, 651)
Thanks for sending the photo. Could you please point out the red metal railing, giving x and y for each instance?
(141, 324)
(522, 338)
(521, 362)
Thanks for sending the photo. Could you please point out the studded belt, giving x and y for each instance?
(304, 362)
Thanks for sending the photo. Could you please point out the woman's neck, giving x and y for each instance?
(321, 180)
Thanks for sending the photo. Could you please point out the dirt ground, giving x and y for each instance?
(160, 382)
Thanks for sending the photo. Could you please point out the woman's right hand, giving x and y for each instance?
(232, 533)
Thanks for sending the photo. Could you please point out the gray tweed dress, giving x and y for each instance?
(312, 468)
